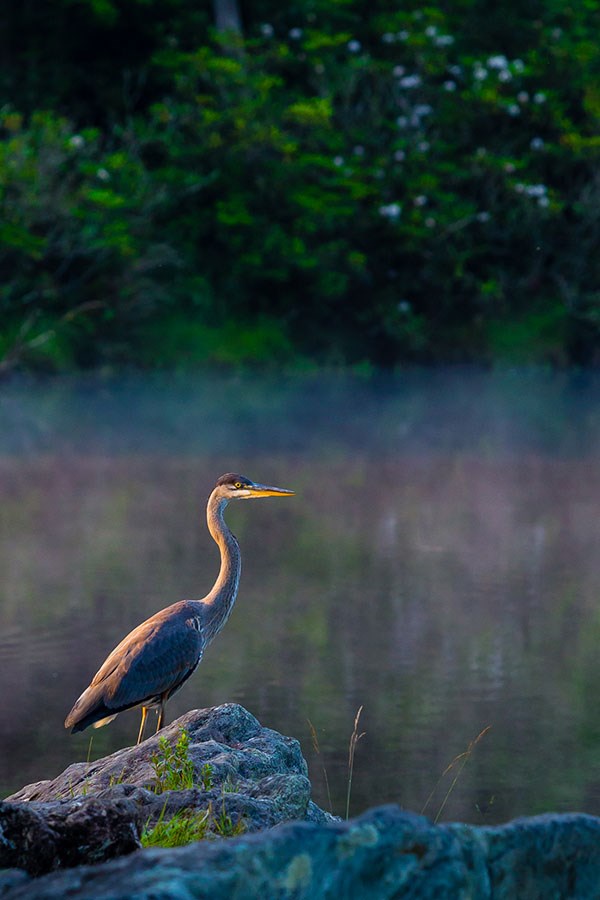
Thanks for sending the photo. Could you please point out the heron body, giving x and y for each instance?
(156, 658)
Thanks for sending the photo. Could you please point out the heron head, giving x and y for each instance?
(237, 487)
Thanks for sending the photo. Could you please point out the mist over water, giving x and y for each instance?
(440, 565)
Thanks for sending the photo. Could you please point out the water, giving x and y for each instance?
(439, 566)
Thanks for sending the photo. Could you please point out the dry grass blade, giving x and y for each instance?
(460, 760)
(354, 739)
(317, 749)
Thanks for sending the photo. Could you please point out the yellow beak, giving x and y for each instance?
(265, 490)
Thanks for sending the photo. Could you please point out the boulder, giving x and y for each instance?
(96, 810)
(385, 853)
(40, 837)
(94, 813)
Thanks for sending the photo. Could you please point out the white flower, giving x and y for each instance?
(76, 142)
(404, 306)
(338, 161)
(539, 97)
(497, 62)
(538, 191)
(401, 121)
(354, 46)
(267, 30)
(535, 190)
(398, 71)
(504, 75)
(388, 38)
(410, 81)
(479, 73)
(444, 40)
(423, 109)
(543, 201)
(430, 222)
(518, 65)
(103, 174)
(359, 150)
(295, 33)
(513, 110)
(421, 200)
(536, 143)
(391, 211)
(556, 33)
(431, 31)
(403, 35)
(455, 70)
(483, 216)
(399, 155)
(523, 97)
(423, 146)
(449, 85)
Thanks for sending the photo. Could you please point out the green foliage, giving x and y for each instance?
(181, 829)
(174, 771)
(415, 184)
(207, 776)
(181, 342)
(173, 766)
(224, 826)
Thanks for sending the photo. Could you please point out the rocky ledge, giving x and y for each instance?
(259, 777)
(96, 811)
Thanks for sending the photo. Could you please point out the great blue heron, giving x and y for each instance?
(158, 656)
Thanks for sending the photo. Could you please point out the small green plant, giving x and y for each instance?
(187, 826)
(461, 760)
(173, 767)
(224, 826)
(84, 789)
(182, 828)
(206, 776)
(229, 785)
(117, 779)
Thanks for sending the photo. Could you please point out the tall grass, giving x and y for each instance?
(317, 749)
(354, 739)
(458, 763)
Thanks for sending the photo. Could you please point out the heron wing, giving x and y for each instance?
(153, 660)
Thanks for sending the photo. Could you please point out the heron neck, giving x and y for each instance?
(218, 604)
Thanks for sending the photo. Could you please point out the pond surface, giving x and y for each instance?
(439, 566)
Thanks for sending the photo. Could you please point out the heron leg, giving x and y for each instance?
(161, 715)
(142, 724)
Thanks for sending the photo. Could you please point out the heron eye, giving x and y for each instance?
(238, 484)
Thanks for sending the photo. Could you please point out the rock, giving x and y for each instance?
(385, 853)
(94, 813)
(259, 778)
(41, 837)
(548, 856)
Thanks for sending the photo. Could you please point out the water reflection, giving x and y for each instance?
(440, 565)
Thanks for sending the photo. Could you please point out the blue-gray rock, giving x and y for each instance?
(385, 853)
(261, 778)
(96, 811)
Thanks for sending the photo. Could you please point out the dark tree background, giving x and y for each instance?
(187, 183)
